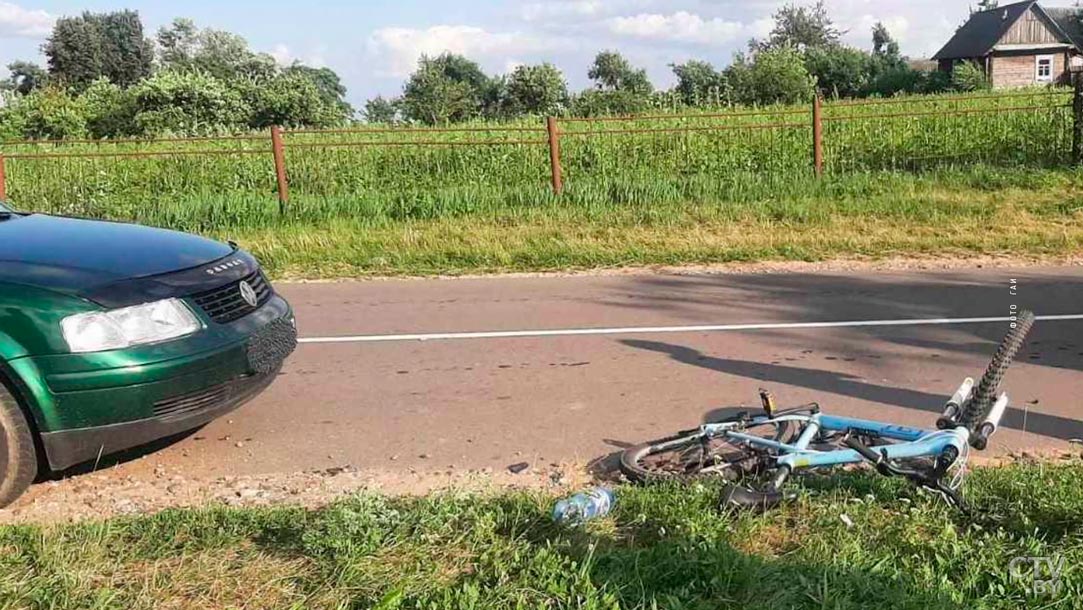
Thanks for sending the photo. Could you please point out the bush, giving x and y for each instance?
(48, 113)
(968, 76)
(110, 110)
(774, 76)
(290, 100)
(188, 103)
(594, 102)
(839, 71)
(895, 80)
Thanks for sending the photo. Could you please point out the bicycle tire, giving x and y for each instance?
(631, 458)
(985, 394)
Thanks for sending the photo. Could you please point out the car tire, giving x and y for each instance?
(18, 457)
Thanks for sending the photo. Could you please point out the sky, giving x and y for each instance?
(374, 44)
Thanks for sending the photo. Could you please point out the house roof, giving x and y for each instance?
(984, 29)
(1068, 19)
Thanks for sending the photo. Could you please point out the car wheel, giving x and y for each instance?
(18, 458)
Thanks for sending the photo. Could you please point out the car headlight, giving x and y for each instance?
(138, 325)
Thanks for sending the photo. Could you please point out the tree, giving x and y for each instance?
(986, 5)
(82, 49)
(26, 76)
(888, 71)
(538, 90)
(839, 71)
(446, 89)
(772, 76)
(883, 44)
(328, 85)
(801, 27)
(698, 82)
(184, 47)
(381, 110)
(611, 71)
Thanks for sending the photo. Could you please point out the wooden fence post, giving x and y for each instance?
(1077, 118)
(279, 152)
(554, 154)
(817, 137)
(3, 179)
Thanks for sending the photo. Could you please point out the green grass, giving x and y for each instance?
(937, 183)
(979, 211)
(663, 547)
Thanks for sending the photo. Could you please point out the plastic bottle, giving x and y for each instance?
(584, 506)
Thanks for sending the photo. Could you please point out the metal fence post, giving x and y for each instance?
(3, 179)
(1077, 118)
(817, 136)
(554, 154)
(279, 152)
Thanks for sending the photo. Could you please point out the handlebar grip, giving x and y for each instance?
(864, 450)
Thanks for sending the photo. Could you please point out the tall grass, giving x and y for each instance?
(743, 162)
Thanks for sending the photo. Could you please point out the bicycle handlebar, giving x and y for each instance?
(864, 450)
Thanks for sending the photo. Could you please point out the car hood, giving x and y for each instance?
(81, 257)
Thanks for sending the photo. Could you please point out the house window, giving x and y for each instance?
(1043, 68)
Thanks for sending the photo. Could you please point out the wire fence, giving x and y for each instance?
(1033, 128)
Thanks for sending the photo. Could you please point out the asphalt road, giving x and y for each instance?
(489, 401)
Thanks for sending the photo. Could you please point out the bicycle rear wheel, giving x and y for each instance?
(985, 394)
(694, 455)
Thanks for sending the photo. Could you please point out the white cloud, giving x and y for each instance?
(284, 55)
(579, 9)
(761, 28)
(396, 50)
(18, 22)
(920, 26)
(681, 26)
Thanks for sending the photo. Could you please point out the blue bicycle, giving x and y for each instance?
(757, 454)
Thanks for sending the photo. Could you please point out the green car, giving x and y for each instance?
(115, 335)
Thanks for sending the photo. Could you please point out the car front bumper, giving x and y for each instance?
(66, 448)
(91, 406)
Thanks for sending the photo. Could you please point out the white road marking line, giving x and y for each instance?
(645, 330)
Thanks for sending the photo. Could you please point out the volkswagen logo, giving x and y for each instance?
(248, 294)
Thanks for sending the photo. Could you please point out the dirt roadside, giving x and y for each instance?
(856, 265)
(103, 495)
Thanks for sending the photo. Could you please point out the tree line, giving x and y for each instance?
(104, 78)
(802, 56)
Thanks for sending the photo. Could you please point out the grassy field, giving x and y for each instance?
(663, 547)
(937, 182)
(947, 213)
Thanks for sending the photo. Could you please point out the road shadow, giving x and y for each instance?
(808, 297)
(848, 385)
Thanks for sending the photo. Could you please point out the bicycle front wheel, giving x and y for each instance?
(695, 455)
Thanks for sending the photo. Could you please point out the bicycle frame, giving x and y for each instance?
(915, 443)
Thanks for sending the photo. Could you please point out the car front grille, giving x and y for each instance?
(208, 398)
(225, 303)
